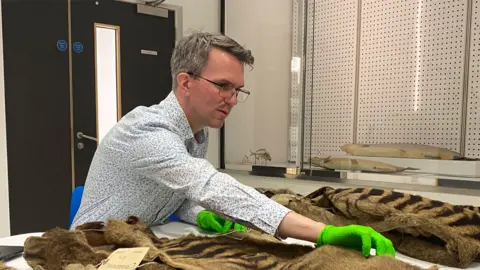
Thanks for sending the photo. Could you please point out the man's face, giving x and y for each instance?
(206, 98)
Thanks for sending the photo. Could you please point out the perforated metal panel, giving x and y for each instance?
(409, 85)
(296, 78)
(307, 91)
(411, 72)
(330, 101)
(472, 147)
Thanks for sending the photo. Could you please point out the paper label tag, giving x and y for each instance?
(125, 259)
(295, 64)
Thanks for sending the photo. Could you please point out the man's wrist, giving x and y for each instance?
(300, 227)
(321, 235)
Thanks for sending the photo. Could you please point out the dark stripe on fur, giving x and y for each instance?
(412, 200)
(358, 190)
(340, 190)
(375, 192)
(363, 197)
(446, 213)
(191, 250)
(212, 253)
(269, 194)
(433, 204)
(465, 221)
(392, 197)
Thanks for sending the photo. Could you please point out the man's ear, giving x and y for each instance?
(183, 83)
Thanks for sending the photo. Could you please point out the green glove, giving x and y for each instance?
(211, 222)
(356, 237)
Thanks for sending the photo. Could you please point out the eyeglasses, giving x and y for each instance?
(226, 90)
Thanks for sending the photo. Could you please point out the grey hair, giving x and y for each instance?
(191, 53)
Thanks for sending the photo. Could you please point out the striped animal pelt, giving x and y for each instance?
(419, 227)
(88, 245)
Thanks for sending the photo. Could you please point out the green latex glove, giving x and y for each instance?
(213, 223)
(356, 237)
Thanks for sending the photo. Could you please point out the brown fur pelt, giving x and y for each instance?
(84, 249)
(419, 227)
(271, 192)
(4, 267)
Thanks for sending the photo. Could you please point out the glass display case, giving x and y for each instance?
(377, 90)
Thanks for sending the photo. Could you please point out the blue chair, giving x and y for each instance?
(173, 218)
(77, 199)
(75, 202)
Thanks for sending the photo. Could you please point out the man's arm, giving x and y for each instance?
(300, 227)
(188, 212)
(163, 157)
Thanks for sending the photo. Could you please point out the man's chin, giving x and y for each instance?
(216, 124)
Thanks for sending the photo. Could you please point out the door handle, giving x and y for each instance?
(80, 135)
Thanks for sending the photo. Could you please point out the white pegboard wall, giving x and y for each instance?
(411, 72)
(334, 42)
(472, 147)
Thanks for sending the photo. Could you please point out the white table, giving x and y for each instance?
(176, 229)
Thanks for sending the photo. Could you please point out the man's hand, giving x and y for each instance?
(356, 237)
(211, 222)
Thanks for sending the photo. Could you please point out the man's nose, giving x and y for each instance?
(232, 100)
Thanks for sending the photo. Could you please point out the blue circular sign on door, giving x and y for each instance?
(62, 45)
(78, 47)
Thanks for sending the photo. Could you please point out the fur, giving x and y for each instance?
(64, 249)
(4, 267)
(419, 227)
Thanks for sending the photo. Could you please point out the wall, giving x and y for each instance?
(203, 15)
(4, 209)
(265, 27)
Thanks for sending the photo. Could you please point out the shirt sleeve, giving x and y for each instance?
(188, 212)
(164, 158)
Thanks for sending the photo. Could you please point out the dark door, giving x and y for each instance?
(41, 137)
(35, 34)
(120, 57)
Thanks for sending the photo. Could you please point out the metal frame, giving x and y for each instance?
(175, 8)
(178, 10)
(222, 129)
(466, 75)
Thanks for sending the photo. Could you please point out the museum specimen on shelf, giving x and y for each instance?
(401, 150)
(360, 165)
(261, 155)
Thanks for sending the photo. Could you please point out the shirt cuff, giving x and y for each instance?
(188, 212)
(266, 219)
(270, 216)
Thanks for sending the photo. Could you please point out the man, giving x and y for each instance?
(151, 164)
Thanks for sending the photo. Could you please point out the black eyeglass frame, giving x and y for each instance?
(222, 87)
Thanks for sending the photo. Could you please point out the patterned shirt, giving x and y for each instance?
(151, 165)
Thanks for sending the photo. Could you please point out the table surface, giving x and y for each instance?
(177, 229)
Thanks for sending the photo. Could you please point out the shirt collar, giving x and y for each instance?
(179, 119)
